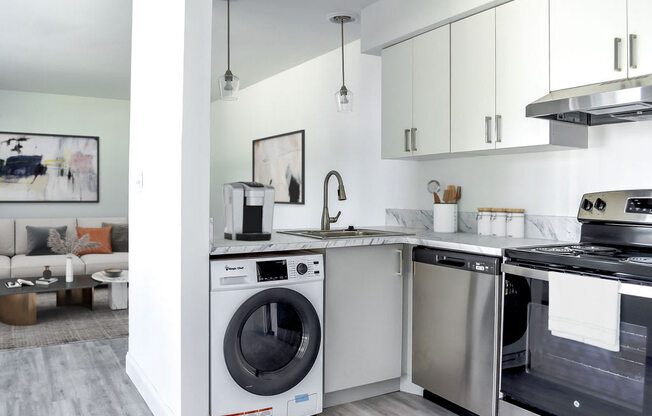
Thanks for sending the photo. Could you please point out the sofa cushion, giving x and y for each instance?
(98, 262)
(119, 236)
(22, 223)
(37, 240)
(5, 267)
(7, 228)
(96, 235)
(33, 266)
(96, 222)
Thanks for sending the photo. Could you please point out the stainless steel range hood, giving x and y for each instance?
(593, 105)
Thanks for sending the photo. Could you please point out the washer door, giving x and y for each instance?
(272, 341)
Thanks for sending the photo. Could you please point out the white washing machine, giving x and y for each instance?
(267, 335)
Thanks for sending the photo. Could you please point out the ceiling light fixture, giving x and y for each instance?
(343, 96)
(229, 83)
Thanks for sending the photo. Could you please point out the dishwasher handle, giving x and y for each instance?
(451, 262)
(457, 260)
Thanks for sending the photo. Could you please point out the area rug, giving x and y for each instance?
(67, 324)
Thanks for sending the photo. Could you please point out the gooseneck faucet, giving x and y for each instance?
(326, 219)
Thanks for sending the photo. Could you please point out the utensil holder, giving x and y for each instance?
(445, 218)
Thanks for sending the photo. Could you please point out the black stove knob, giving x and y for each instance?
(302, 268)
(587, 205)
(600, 205)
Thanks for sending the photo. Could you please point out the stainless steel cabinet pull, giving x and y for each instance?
(487, 129)
(499, 126)
(632, 51)
(414, 139)
(400, 263)
(407, 140)
(617, 43)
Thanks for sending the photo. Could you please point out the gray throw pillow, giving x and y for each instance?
(37, 239)
(119, 237)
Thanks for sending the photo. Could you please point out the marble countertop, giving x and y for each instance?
(468, 242)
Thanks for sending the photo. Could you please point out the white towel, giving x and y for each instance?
(585, 309)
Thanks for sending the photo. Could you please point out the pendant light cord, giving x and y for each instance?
(228, 35)
(342, 27)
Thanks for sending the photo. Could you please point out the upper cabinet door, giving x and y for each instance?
(521, 71)
(396, 99)
(640, 37)
(473, 80)
(588, 42)
(431, 93)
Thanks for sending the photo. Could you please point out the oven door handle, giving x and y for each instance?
(630, 289)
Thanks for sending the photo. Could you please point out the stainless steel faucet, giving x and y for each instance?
(326, 219)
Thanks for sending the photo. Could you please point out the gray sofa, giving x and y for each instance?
(13, 245)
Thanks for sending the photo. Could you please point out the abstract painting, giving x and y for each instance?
(279, 162)
(48, 168)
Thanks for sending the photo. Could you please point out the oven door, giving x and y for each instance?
(549, 375)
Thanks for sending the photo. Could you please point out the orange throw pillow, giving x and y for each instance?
(96, 235)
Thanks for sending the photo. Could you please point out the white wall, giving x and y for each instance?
(550, 183)
(387, 22)
(303, 98)
(63, 114)
(169, 252)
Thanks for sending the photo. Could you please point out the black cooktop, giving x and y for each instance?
(625, 261)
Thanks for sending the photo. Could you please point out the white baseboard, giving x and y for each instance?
(360, 393)
(146, 389)
(408, 386)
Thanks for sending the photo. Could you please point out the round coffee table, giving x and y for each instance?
(118, 288)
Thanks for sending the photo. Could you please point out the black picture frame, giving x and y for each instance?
(64, 201)
(302, 183)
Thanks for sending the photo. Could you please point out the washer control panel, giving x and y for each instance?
(270, 270)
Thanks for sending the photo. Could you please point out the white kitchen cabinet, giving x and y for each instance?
(522, 74)
(396, 91)
(640, 37)
(588, 41)
(416, 96)
(431, 93)
(473, 80)
(363, 316)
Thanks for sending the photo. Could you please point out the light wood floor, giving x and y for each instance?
(85, 379)
(88, 379)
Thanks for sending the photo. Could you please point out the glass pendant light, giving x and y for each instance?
(343, 96)
(229, 83)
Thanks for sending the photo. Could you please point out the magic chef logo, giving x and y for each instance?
(231, 268)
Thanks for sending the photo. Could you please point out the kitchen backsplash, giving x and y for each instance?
(536, 226)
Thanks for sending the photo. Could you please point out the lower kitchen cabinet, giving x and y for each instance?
(363, 316)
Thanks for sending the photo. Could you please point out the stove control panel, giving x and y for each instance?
(634, 207)
(639, 205)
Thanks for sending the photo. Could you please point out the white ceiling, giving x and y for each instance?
(83, 48)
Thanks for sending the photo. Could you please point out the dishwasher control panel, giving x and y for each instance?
(457, 260)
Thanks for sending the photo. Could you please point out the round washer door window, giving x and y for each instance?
(272, 341)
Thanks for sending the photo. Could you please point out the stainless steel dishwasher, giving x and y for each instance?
(455, 327)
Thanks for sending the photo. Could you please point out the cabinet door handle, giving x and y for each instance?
(407, 140)
(632, 50)
(499, 127)
(414, 139)
(617, 44)
(487, 129)
(400, 263)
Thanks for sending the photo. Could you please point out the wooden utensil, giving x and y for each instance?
(458, 194)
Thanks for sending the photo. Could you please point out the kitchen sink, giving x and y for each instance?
(331, 234)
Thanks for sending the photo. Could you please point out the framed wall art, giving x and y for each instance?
(38, 167)
(279, 161)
